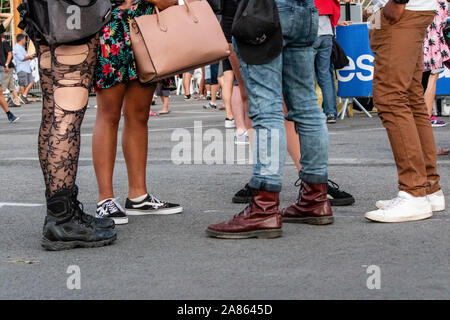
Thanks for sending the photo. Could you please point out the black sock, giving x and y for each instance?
(8, 113)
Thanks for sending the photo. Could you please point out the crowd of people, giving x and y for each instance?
(268, 84)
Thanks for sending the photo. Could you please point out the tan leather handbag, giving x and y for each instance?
(178, 39)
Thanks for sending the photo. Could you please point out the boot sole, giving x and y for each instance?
(260, 234)
(314, 221)
(67, 245)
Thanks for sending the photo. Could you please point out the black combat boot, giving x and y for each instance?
(67, 226)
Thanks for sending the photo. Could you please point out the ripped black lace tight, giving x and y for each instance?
(66, 74)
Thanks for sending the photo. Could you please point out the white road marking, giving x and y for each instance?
(162, 130)
(19, 204)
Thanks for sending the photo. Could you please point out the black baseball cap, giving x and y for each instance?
(257, 31)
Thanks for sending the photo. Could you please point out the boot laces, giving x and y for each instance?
(78, 212)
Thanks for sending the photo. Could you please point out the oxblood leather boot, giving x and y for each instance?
(260, 219)
(312, 206)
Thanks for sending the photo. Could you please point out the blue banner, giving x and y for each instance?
(355, 80)
(443, 84)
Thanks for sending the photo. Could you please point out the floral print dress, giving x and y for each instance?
(435, 49)
(115, 58)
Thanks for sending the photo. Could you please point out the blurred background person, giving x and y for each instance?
(8, 78)
(329, 14)
(11, 117)
(163, 92)
(23, 67)
(435, 53)
(212, 85)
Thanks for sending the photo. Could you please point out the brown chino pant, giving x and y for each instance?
(398, 96)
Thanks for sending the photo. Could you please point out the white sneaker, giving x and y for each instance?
(402, 209)
(229, 123)
(437, 201)
(241, 139)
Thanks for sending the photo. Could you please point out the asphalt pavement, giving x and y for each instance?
(170, 257)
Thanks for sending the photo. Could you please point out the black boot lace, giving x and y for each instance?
(78, 212)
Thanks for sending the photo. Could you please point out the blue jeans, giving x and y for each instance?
(322, 50)
(291, 76)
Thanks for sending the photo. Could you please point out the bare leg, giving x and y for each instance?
(104, 139)
(430, 93)
(240, 116)
(220, 80)
(228, 78)
(187, 83)
(28, 88)
(237, 108)
(214, 90)
(293, 143)
(138, 99)
(165, 101)
(16, 96)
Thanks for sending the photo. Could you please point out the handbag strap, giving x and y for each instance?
(189, 10)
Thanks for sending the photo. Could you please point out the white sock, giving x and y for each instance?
(139, 199)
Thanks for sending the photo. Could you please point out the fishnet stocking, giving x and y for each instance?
(66, 75)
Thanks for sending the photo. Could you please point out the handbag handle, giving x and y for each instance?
(163, 27)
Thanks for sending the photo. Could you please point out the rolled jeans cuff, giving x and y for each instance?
(261, 185)
(313, 178)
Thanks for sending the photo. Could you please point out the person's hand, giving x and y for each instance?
(344, 23)
(6, 68)
(393, 12)
(163, 4)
